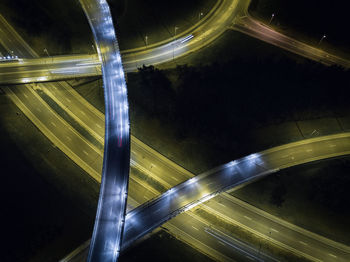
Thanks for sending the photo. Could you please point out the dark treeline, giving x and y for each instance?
(330, 187)
(221, 101)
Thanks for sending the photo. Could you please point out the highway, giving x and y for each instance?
(49, 69)
(247, 25)
(201, 188)
(110, 215)
(91, 114)
(227, 14)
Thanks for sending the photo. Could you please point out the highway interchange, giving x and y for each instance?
(227, 14)
(88, 154)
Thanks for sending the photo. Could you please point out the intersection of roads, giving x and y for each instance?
(87, 152)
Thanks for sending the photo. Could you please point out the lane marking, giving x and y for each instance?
(222, 243)
(333, 145)
(195, 228)
(309, 150)
(250, 258)
(301, 242)
(274, 230)
(81, 111)
(221, 204)
(69, 138)
(175, 178)
(25, 95)
(101, 127)
(86, 153)
(38, 109)
(68, 100)
(52, 123)
(248, 218)
(332, 255)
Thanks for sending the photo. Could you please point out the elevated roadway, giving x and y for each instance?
(110, 216)
(227, 14)
(69, 98)
(202, 188)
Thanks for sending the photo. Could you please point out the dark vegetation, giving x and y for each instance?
(134, 19)
(311, 18)
(59, 26)
(220, 103)
(62, 27)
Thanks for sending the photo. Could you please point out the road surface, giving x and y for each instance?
(199, 189)
(110, 216)
(226, 14)
(69, 98)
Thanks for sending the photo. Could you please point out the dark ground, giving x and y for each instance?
(62, 28)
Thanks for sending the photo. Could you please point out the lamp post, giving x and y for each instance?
(200, 16)
(45, 50)
(272, 16)
(323, 37)
(175, 29)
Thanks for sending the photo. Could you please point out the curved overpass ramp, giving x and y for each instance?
(201, 188)
(109, 222)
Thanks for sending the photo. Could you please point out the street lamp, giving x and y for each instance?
(200, 16)
(12, 56)
(175, 29)
(323, 37)
(45, 50)
(272, 16)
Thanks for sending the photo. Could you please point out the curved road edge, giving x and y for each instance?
(111, 209)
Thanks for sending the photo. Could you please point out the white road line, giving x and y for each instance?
(69, 138)
(332, 255)
(52, 123)
(68, 100)
(195, 228)
(82, 112)
(38, 109)
(274, 230)
(25, 95)
(221, 204)
(222, 243)
(175, 178)
(86, 153)
(101, 127)
(248, 218)
(301, 242)
(145, 197)
(309, 150)
(333, 145)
